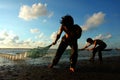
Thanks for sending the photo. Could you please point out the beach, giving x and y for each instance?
(85, 70)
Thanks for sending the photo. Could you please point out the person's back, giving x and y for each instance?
(100, 42)
(76, 31)
(72, 32)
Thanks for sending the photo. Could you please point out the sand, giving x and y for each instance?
(109, 70)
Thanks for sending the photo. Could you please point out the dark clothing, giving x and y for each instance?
(62, 47)
(100, 42)
(101, 46)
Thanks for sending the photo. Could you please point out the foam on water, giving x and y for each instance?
(47, 58)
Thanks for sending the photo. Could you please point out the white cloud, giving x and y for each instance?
(29, 43)
(8, 39)
(41, 35)
(100, 36)
(53, 36)
(93, 21)
(33, 12)
(35, 30)
(3, 35)
(51, 14)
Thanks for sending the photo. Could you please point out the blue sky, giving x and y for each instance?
(32, 23)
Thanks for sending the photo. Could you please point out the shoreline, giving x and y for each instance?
(109, 70)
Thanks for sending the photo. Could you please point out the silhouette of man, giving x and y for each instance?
(68, 39)
(98, 46)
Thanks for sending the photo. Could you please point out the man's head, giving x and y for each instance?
(89, 40)
(67, 20)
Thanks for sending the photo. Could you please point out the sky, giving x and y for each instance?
(33, 23)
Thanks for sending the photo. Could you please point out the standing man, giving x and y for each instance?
(69, 39)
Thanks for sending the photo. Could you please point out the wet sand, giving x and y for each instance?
(109, 70)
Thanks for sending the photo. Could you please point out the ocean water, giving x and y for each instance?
(49, 55)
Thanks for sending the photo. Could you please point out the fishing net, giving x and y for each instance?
(38, 52)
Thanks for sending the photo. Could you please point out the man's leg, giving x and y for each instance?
(100, 56)
(100, 52)
(93, 54)
(74, 55)
(59, 53)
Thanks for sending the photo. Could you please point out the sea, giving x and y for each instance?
(49, 55)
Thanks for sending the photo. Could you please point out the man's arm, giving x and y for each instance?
(58, 35)
(94, 45)
(86, 46)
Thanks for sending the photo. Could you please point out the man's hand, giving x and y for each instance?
(82, 49)
(90, 49)
(54, 43)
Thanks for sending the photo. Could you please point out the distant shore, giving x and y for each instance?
(109, 70)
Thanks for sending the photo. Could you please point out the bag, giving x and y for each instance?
(77, 30)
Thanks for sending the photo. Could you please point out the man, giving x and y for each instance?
(98, 46)
(69, 39)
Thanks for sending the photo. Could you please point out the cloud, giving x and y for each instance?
(100, 36)
(3, 35)
(50, 15)
(40, 36)
(53, 36)
(29, 43)
(33, 12)
(35, 30)
(93, 21)
(8, 37)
